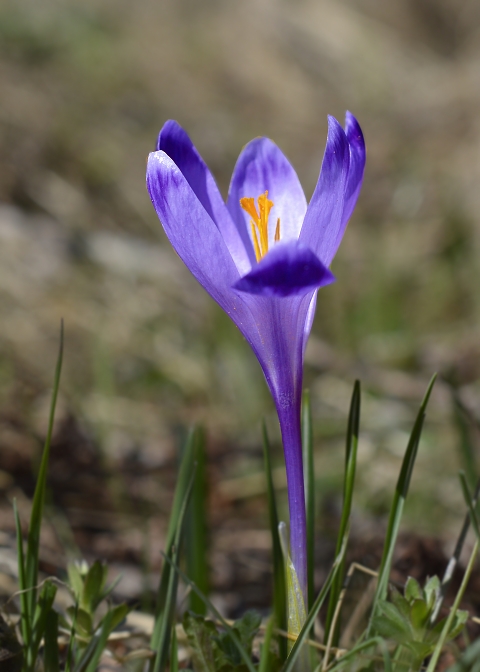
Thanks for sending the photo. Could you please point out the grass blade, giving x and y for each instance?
(51, 655)
(279, 588)
(210, 607)
(448, 623)
(265, 655)
(167, 594)
(196, 526)
(453, 562)
(184, 478)
(309, 482)
(462, 417)
(26, 623)
(348, 484)
(398, 503)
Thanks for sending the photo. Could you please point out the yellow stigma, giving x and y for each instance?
(259, 222)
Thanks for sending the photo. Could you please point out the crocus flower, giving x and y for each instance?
(262, 256)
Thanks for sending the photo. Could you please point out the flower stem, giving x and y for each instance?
(290, 425)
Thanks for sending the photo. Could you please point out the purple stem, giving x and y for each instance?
(290, 425)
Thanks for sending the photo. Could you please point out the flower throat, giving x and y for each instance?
(259, 222)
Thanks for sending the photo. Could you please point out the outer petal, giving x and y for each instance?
(323, 227)
(263, 167)
(289, 269)
(175, 142)
(357, 165)
(191, 231)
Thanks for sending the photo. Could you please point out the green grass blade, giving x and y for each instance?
(33, 539)
(470, 503)
(210, 607)
(279, 588)
(43, 607)
(26, 621)
(266, 655)
(164, 620)
(183, 481)
(353, 429)
(92, 654)
(453, 562)
(309, 482)
(174, 651)
(51, 654)
(463, 421)
(448, 623)
(354, 655)
(312, 615)
(196, 526)
(398, 503)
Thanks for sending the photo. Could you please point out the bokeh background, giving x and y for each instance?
(85, 87)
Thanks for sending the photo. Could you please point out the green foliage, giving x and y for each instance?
(167, 590)
(89, 632)
(216, 650)
(279, 589)
(398, 503)
(353, 430)
(196, 525)
(406, 619)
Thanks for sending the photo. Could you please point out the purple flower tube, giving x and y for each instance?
(262, 256)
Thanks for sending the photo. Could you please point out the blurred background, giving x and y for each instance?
(85, 87)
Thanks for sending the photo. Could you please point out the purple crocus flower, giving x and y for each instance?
(262, 256)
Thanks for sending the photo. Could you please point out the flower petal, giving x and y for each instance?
(190, 229)
(262, 167)
(175, 142)
(357, 165)
(323, 227)
(289, 269)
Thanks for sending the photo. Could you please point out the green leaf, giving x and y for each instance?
(196, 541)
(42, 608)
(353, 430)
(413, 590)
(419, 616)
(398, 503)
(25, 623)
(431, 591)
(279, 592)
(174, 651)
(33, 539)
(245, 656)
(247, 627)
(167, 592)
(93, 586)
(83, 620)
(75, 580)
(390, 623)
(200, 634)
(51, 654)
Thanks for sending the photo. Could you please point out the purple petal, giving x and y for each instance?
(323, 227)
(190, 229)
(357, 165)
(175, 142)
(289, 269)
(263, 167)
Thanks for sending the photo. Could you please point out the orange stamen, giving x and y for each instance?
(259, 222)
